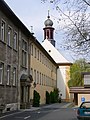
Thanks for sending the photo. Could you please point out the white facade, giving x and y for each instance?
(61, 81)
(61, 71)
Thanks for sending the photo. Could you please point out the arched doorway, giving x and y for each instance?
(25, 83)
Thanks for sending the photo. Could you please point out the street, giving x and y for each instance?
(50, 112)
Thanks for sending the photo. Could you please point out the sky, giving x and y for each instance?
(34, 13)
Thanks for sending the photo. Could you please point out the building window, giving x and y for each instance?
(15, 41)
(31, 49)
(47, 34)
(35, 76)
(42, 59)
(44, 80)
(9, 36)
(40, 78)
(2, 30)
(38, 55)
(35, 52)
(31, 72)
(8, 75)
(14, 76)
(1, 72)
(24, 53)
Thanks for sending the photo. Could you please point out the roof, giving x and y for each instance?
(11, 15)
(48, 22)
(80, 90)
(54, 53)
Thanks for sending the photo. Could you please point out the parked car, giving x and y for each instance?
(83, 112)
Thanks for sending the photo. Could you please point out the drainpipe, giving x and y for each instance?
(29, 61)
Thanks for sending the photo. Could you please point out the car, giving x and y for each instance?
(83, 111)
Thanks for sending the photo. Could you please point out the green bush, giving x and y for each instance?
(54, 96)
(47, 98)
(36, 99)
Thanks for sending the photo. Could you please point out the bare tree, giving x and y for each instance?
(75, 15)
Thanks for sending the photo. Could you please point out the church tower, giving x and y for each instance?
(49, 30)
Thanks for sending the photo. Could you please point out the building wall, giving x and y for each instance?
(13, 58)
(12, 63)
(43, 72)
(86, 96)
(67, 79)
(23, 64)
(63, 76)
(9, 59)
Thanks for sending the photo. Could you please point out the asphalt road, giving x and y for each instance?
(51, 112)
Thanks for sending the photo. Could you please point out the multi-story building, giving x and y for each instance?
(22, 59)
(14, 60)
(43, 70)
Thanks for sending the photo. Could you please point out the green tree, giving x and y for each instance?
(47, 97)
(36, 99)
(76, 69)
(54, 96)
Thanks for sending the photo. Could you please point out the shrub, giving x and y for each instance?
(47, 98)
(54, 96)
(36, 99)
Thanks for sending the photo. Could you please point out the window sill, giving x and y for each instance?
(9, 46)
(3, 42)
(1, 84)
(8, 85)
(15, 50)
(14, 86)
(23, 67)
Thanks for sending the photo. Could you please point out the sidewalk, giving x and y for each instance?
(68, 105)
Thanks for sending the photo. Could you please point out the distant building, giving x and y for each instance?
(82, 93)
(43, 71)
(63, 71)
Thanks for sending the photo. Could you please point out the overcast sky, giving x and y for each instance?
(34, 13)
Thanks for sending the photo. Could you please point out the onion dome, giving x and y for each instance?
(48, 22)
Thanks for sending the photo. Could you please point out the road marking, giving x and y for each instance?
(27, 117)
(56, 110)
(38, 112)
(11, 114)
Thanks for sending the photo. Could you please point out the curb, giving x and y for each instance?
(69, 105)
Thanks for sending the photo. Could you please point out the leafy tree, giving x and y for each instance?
(54, 96)
(47, 97)
(36, 99)
(76, 69)
(56, 92)
(75, 17)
